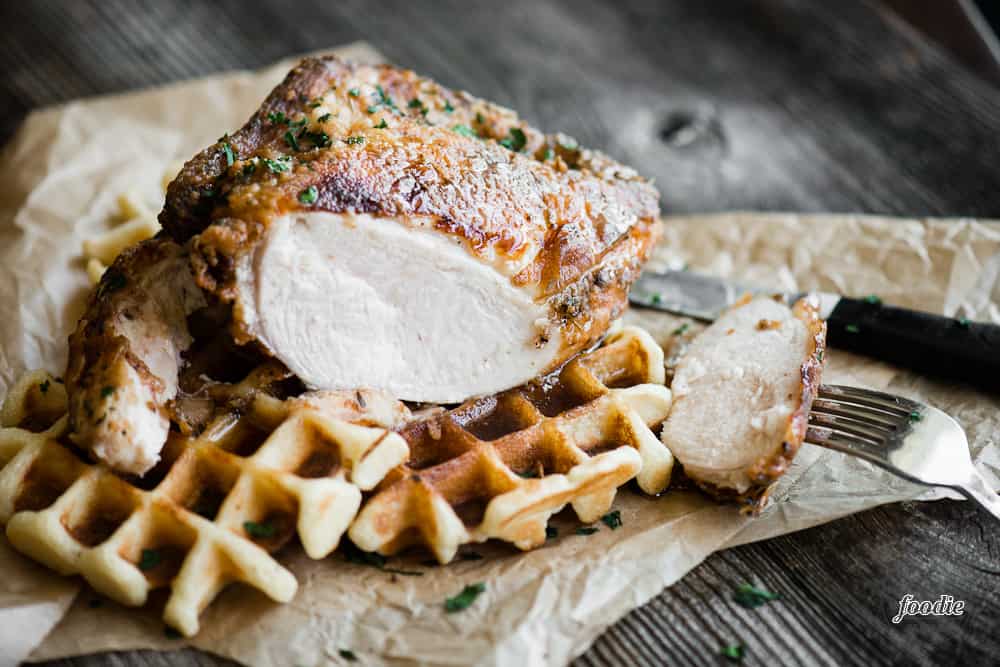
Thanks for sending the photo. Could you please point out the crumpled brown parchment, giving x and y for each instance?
(65, 168)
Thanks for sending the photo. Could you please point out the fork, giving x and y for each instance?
(909, 439)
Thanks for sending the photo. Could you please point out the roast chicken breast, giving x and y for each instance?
(742, 394)
(373, 229)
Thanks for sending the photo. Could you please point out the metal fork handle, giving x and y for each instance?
(977, 490)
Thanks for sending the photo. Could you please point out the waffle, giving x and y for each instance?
(212, 510)
(499, 467)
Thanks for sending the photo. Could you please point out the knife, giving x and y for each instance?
(954, 348)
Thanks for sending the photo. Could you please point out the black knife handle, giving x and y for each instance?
(930, 344)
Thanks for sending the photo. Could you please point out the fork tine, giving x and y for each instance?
(868, 397)
(872, 416)
(849, 426)
(849, 444)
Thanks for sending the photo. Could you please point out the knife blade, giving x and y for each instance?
(954, 348)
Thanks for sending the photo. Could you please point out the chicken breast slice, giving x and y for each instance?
(742, 394)
(125, 355)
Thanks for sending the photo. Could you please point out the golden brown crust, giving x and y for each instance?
(770, 467)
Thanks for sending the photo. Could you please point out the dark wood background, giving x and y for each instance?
(756, 104)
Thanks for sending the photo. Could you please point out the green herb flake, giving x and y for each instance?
(447, 107)
(530, 473)
(873, 299)
(415, 103)
(376, 560)
(963, 322)
(515, 140)
(315, 104)
(278, 165)
(569, 145)
(381, 125)
(262, 530)
(384, 100)
(309, 195)
(171, 633)
(656, 298)
(464, 130)
(150, 558)
(292, 142)
(44, 387)
(681, 329)
(914, 417)
(249, 168)
(322, 119)
(464, 599)
(107, 391)
(733, 652)
(319, 139)
(353, 92)
(751, 597)
(551, 532)
(819, 355)
(347, 655)
(355, 140)
(587, 530)
(480, 119)
(277, 117)
(612, 519)
(227, 149)
(852, 328)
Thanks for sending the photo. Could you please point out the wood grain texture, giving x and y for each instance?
(756, 104)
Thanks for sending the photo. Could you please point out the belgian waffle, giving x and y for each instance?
(212, 510)
(500, 466)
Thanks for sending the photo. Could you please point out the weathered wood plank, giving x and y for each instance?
(754, 104)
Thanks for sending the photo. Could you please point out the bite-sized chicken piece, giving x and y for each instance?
(742, 395)
(125, 355)
(373, 229)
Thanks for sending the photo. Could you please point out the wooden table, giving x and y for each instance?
(757, 104)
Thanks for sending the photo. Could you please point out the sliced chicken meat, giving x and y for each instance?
(373, 229)
(742, 394)
(125, 355)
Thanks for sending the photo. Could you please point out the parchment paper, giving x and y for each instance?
(63, 171)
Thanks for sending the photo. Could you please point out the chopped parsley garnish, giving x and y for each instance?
(249, 168)
(353, 92)
(852, 328)
(548, 154)
(315, 103)
(44, 387)
(319, 139)
(914, 417)
(150, 559)
(751, 597)
(372, 108)
(376, 560)
(228, 150)
(277, 117)
(464, 130)
(355, 140)
(292, 142)
(309, 195)
(322, 119)
(107, 391)
(586, 530)
(515, 140)
(551, 532)
(733, 651)
(612, 519)
(873, 299)
(681, 329)
(819, 355)
(569, 145)
(278, 165)
(964, 322)
(261, 530)
(381, 99)
(464, 599)
(347, 655)
(447, 107)
(381, 125)
(415, 103)
(656, 298)
(480, 119)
